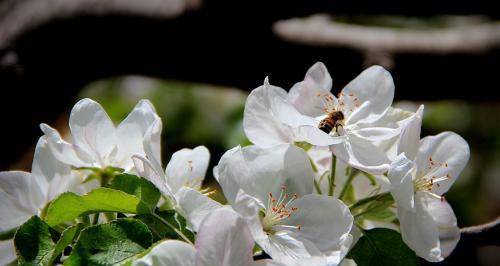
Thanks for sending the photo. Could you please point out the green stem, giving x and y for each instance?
(353, 173)
(331, 180)
(185, 238)
(96, 218)
(367, 200)
(317, 187)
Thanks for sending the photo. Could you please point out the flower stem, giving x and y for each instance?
(353, 173)
(331, 180)
(368, 200)
(185, 238)
(317, 187)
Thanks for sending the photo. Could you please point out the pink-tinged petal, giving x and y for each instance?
(21, 198)
(368, 96)
(187, 167)
(261, 125)
(92, 130)
(64, 151)
(323, 220)
(169, 252)
(131, 131)
(308, 95)
(224, 239)
(7, 252)
(444, 217)
(419, 230)
(442, 156)
(401, 178)
(362, 155)
(195, 206)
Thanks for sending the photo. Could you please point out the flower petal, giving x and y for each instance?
(146, 169)
(92, 130)
(224, 239)
(419, 231)
(369, 96)
(362, 155)
(21, 198)
(195, 206)
(443, 155)
(131, 131)
(443, 215)
(187, 168)
(307, 96)
(64, 151)
(410, 134)
(169, 252)
(262, 171)
(261, 126)
(401, 178)
(325, 221)
(7, 252)
(290, 251)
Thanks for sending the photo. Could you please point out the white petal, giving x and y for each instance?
(285, 249)
(401, 178)
(325, 221)
(7, 252)
(64, 151)
(52, 176)
(449, 153)
(224, 239)
(131, 131)
(92, 130)
(376, 133)
(21, 198)
(410, 135)
(308, 95)
(443, 215)
(248, 208)
(145, 168)
(419, 231)
(362, 155)
(266, 262)
(194, 206)
(261, 125)
(170, 252)
(314, 136)
(187, 168)
(369, 95)
(262, 171)
(152, 145)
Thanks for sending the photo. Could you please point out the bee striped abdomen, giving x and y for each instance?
(326, 125)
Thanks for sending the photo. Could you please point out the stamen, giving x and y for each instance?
(277, 211)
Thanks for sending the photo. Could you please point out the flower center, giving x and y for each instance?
(277, 211)
(428, 181)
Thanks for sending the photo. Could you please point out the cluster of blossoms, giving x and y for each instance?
(322, 171)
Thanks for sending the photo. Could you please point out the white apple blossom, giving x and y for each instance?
(97, 142)
(423, 171)
(181, 181)
(272, 190)
(224, 239)
(272, 116)
(24, 194)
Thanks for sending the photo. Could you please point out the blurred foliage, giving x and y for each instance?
(199, 114)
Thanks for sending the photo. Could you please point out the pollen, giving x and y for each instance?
(278, 210)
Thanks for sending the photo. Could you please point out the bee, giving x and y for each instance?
(332, 120)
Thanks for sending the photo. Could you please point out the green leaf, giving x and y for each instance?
(138, 187)
(67, 237)
(161, 230)
(382, 246)
(112, 243)
(34, 242)
(35, 245)
(69, 206)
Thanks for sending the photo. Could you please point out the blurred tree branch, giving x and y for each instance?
(482, 235)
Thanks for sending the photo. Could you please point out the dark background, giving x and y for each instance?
(224, 42)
